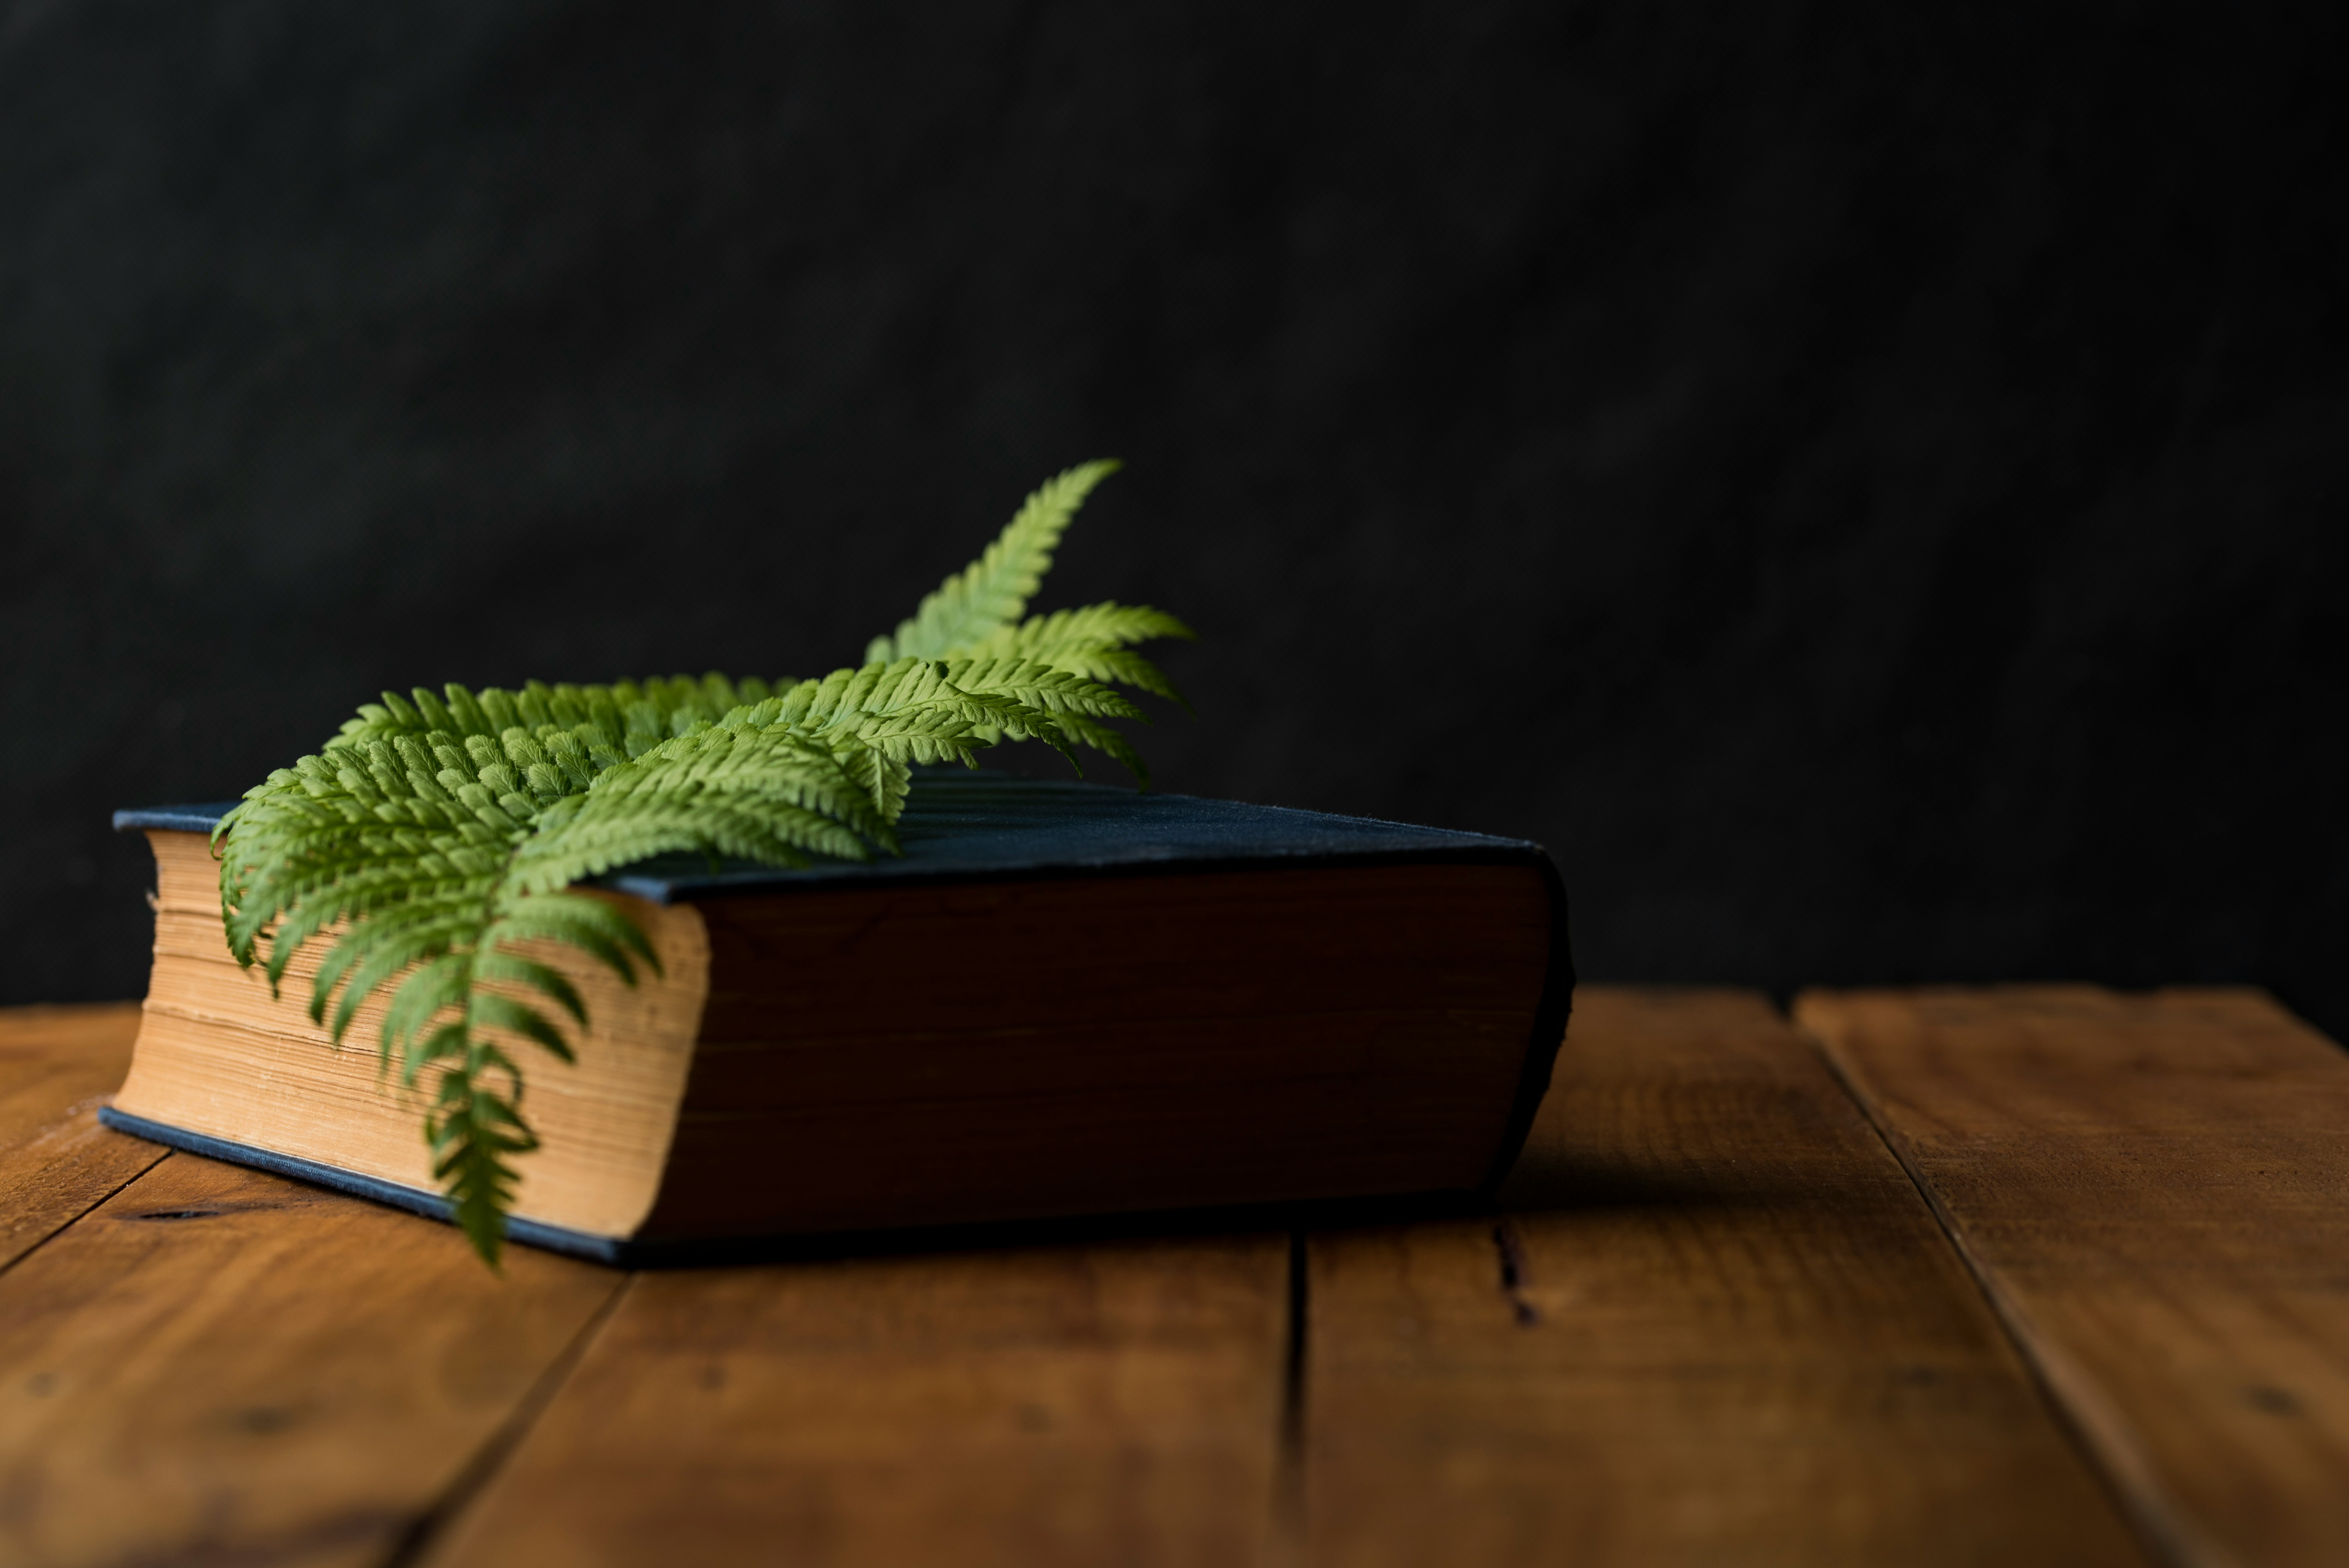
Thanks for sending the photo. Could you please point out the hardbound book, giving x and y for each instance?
(1062, 999)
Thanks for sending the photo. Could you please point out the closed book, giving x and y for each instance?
(1061, 999)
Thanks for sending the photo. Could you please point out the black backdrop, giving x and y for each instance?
(1865, 484)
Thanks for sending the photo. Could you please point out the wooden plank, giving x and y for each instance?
(2156, 1191)
(1716, 1324)
(57, 1066)
(218, 1366)
(1082, 1404)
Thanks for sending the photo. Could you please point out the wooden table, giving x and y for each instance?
(2019, 1276)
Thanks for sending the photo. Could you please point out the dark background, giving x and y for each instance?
(1864, 484)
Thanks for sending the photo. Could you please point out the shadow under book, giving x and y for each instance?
(1063, 999)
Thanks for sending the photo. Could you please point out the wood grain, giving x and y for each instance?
(1716, 1324)
(57, 1066)
(1094, 1405)
(2156, 1190)
(218, 1366)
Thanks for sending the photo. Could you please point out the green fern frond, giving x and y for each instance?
(1102, 625)
(1095, 642)
(473, 1129)
(434, 838)
(993, 590)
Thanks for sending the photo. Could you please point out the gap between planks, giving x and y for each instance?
(199, 1361)
(417, 1542)
(1285, 1545)
(2105, 1441)
(2154, 1191)
(1083, 1403)
(1714, 1322)
(58, 1064)
(219, 1363)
